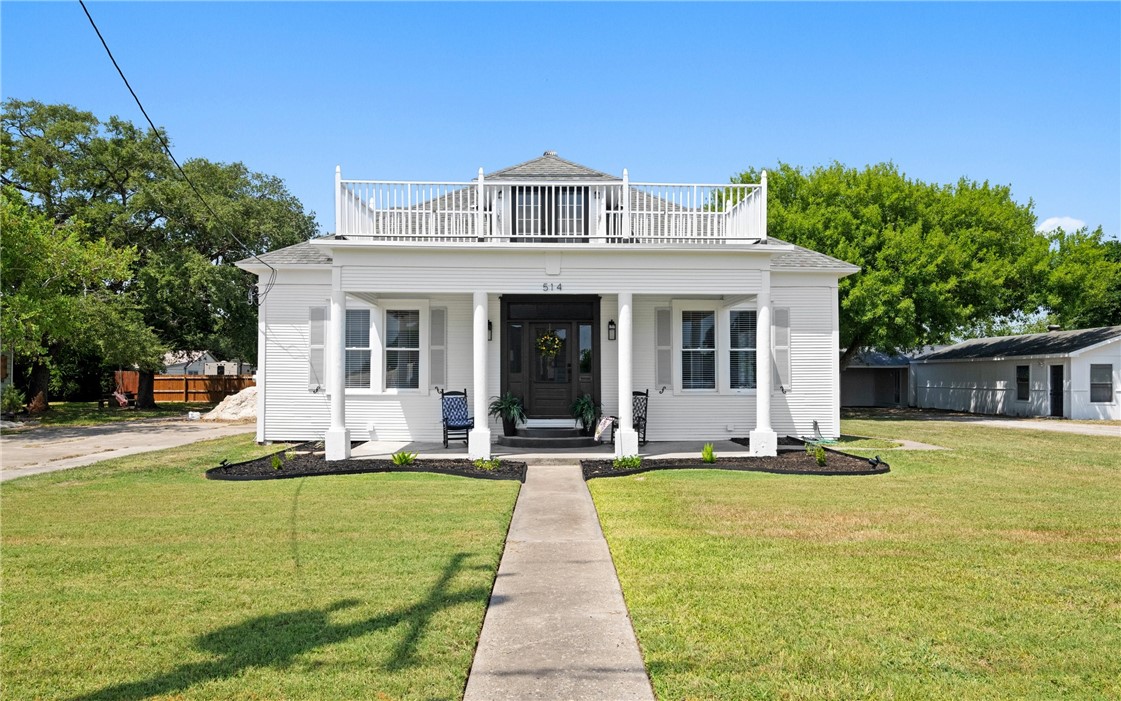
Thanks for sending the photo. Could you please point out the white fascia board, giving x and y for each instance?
(1099, 344)
(994, 359)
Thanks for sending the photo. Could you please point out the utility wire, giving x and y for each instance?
(167, 148)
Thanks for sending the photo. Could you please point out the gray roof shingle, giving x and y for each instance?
(549, 166)
(298, 254)
(805, 259)
(1050, 343)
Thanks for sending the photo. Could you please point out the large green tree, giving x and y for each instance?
(115, 178)
(1084, 279)
(57, 290)
(935, 259)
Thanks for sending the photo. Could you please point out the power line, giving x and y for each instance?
(167, 148)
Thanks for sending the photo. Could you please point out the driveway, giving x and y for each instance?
(47, 449)
(1107, 429)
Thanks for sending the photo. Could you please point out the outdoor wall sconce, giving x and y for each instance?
(611, 330)
(490, 331)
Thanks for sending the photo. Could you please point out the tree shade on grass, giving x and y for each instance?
(982, 572)
(137, 578)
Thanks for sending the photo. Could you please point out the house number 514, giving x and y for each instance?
(552, 287)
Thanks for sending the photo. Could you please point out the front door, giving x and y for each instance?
(552, 389)
(1057, 390)
(550, 351)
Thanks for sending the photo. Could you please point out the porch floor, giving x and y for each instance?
(458, 449)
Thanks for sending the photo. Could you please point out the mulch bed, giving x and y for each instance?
(788, 463)
(306, 460)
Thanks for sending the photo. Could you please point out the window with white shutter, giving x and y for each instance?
(317, 331)
(437, 346)
(781, 340)
(663, 348)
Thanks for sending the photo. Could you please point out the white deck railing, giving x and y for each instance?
(574, 212)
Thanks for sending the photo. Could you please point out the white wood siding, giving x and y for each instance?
(294, 413)
(1080, 405)
(987, 386)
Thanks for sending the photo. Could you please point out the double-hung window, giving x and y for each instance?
(741, 349)
(1101, 383)
(402, 349)
(715, 347)
(357, 370)
(698, 349)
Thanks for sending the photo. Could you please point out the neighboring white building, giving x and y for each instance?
(227, 367)
(671, 288)
(1072, 374)
(187, 362)
(875, 379)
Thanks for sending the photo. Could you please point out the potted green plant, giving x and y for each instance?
(585, 411)
(509, 409)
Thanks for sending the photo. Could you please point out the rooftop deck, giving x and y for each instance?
(592, 209)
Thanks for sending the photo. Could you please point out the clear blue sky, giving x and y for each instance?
(1027, 95)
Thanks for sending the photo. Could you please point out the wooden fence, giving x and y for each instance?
(209, 389)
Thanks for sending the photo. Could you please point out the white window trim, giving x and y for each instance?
(377, 346)
(1016, 383)
(1090, 385)
(723, 342)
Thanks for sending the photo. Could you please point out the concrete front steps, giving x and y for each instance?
(547, 439)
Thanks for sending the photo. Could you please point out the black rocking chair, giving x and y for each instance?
(640, 402)
(456, 421)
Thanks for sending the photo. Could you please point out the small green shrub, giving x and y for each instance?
(627, 462)
(492, 464)
(401, 458)
(277, 462)
(12, 400)
(708, 455)
(819, 455)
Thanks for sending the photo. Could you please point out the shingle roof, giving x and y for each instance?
(300, 254)
(1050, 343)
(805, 259)
(549, 166)
(878, 359)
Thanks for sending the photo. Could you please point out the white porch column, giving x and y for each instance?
(478, 440)
(626, 438)
(763, 438)
(337, 440)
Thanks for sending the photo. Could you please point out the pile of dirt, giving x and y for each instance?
(236, 407)
(307, 460)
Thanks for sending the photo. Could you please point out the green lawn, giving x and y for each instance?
(136, 578)
(88, 414)
(989, 571)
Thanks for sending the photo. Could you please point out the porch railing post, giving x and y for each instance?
(626, 231)
(339, 201)
(763, 208)
(479, 202)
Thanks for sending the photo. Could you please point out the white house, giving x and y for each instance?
(1072, 374)
(672, 288)
(187, 362)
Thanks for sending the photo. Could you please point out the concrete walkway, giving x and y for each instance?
(557, 626)
(51, 448)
